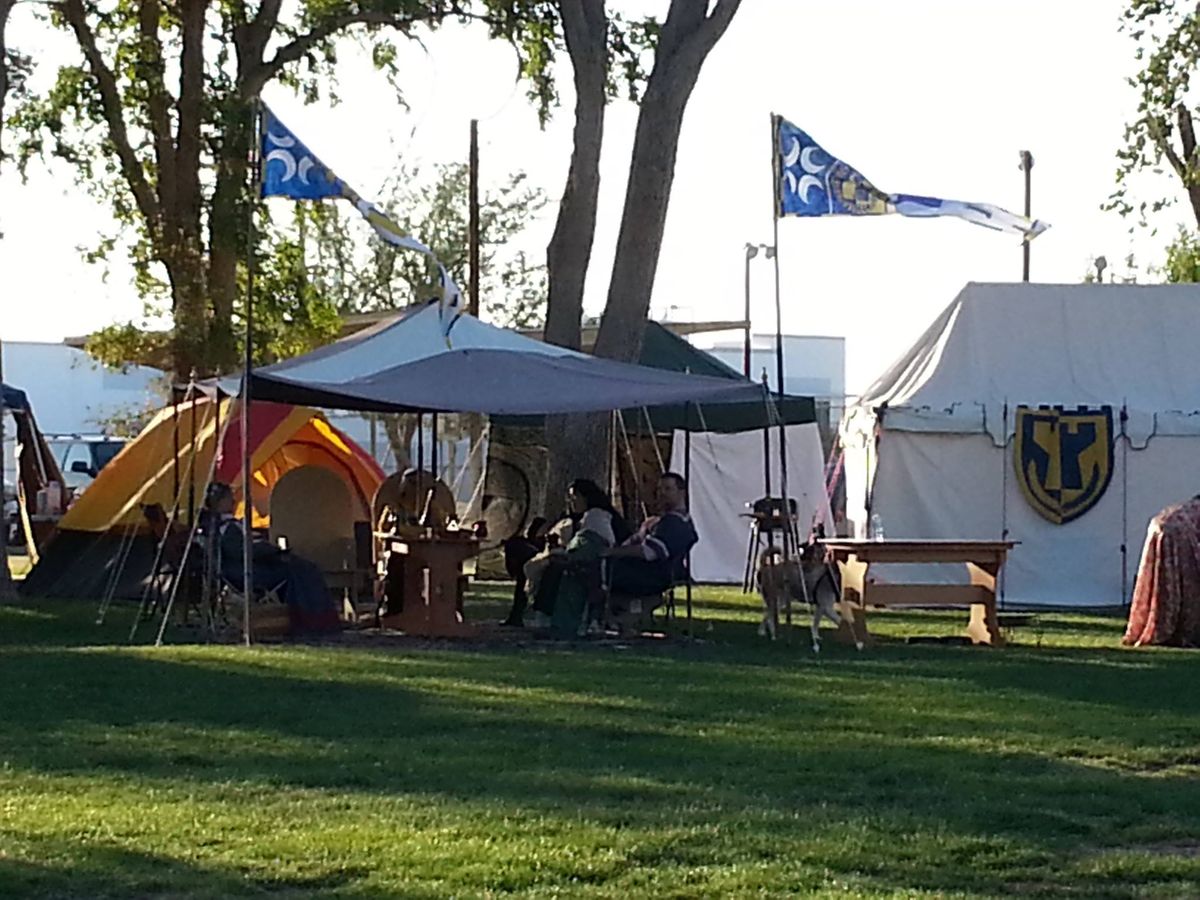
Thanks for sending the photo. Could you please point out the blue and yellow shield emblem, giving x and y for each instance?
(1063, 458)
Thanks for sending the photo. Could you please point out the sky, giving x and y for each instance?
(934, 97)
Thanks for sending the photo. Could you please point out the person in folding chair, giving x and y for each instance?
(655, 558)
(300, 582)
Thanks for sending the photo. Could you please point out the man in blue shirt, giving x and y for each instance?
(654, 557)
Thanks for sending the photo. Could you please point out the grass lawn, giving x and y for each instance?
(1060, 766)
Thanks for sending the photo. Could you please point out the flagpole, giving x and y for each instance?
(247, 504)
(783, 471)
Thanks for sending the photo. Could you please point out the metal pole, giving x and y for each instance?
(175, 438)
(1027, 166)
(473, 222)
(773, 253)
(751, 252)
(191, 395)
(420, 451)
(687, 477)
(6, 587)
(767, 458)
(433, 445)
(247, 364)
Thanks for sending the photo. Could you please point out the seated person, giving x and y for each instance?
(301, 584)
(653, 559)
(518, 551)
(425, 501)
(562, 585)
(405, 507)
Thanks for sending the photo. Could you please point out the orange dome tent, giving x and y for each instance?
(105, 538)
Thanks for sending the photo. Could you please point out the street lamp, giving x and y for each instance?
(751, 252)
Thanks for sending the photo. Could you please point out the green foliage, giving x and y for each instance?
(327, 262)
(153, 120)
(534, 29)
(1183, 258)
(1060, 766)
(1167, 35)
(292, 315)
(433, 206)
(126, 343)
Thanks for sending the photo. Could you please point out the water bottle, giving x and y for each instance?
(876, 527)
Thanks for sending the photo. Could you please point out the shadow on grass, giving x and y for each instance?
(839, 763)
(100, 871)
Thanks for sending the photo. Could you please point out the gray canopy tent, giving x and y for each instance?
(407, 365)
(404, 365)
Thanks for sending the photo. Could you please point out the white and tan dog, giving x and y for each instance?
(809, 579)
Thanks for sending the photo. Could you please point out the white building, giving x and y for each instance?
(71, 393)
(813, 365)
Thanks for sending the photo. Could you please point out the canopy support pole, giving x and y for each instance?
(767, 460)
(247, 372)
(687, 478)
(1126, 599)
(420, 446)
(175, 438)
(1004, 463)
(434, 456)
(191, 395)
(7, 591)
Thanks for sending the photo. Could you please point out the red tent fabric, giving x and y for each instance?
(1166, 595)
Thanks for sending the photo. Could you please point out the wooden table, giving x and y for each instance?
(983, 559)
(431, 574)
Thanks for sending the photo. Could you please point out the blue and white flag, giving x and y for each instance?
(813, 182)
(291, 170)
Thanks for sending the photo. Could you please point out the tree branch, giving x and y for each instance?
(151, 67)
(303, 44)
(1187, 141)
(110, 98)
(1161, 135)
(697, 44)
(186, 168)
(719, 19)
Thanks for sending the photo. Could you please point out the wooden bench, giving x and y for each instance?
(983, 559)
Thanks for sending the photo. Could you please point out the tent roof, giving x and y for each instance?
(1001, 345)
(14, 398)
(404, 365)
(663, 349)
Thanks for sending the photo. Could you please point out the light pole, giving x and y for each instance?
(751, 252)
(1027, 168)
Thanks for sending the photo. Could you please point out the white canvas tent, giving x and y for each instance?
(930, 445)
(727, 474)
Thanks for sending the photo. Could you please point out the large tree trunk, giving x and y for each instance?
(189, 305)
(228, 234)
(585, 26)
(569, 438)
(687, 36)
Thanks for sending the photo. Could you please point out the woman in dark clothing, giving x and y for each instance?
(563, 592)
(299, 582)
(519, 550)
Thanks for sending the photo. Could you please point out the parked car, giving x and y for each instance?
(81, 457)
